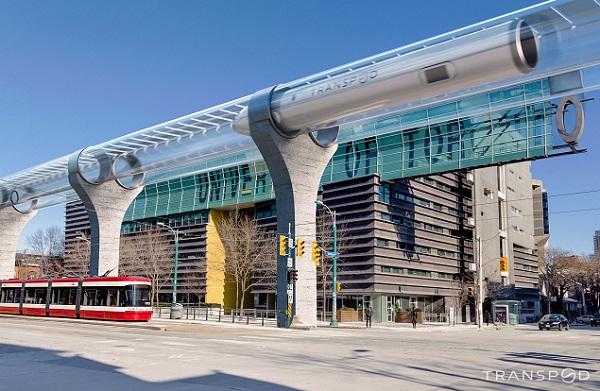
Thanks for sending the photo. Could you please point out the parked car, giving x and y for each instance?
(587, 319)
(550, 321)
(595, 320)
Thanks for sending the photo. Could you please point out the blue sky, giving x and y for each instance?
(77, 73)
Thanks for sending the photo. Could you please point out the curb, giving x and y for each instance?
(138, 325)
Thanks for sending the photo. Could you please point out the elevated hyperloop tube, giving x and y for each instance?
(539, 43)
(503, 51)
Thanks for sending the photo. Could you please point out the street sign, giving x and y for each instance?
(331, 254)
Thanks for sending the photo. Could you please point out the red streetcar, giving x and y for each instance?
(110, 298)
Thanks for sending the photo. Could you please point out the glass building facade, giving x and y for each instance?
(398, 181)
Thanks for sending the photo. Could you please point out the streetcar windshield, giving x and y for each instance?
(137, 295)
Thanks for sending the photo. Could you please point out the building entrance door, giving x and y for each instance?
(413, 301)
(390, 308)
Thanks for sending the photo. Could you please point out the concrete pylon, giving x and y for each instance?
(296, 165)
(12, 222)
(105, 204)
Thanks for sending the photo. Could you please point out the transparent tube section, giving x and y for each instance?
(444, 68)
(500, 52)
(199, 136)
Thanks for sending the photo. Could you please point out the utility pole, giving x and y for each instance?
(175, 233)
(583, 297)
(291, 291)
(548, 294)
(334, 321)
(479, 297)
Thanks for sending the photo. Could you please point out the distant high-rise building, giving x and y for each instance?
(596, 242)
(503, 211)
(541, 229)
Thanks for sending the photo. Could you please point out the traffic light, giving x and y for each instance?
(471, 291)
(338, 286)
(316, 253)
(300, 247)
(293, 274)
(503, 265)
(283, 245)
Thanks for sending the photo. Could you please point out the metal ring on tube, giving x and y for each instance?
(525, 48)
(104, 166)
(259, 109)
(325, 137)
(136, 179)
(22, 208)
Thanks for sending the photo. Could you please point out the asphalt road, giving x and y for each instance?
(66, 355)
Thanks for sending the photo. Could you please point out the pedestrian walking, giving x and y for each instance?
(369, 315)
(413, 316)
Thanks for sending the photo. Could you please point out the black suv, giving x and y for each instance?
(595, 320)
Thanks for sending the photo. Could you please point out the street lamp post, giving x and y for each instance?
(176, 235)
(548, 295)
(583, 305)
(334, 321)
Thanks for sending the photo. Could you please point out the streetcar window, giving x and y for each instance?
(10, 295)
(95, 296)
(91, 296)
(123, 297)
(64, 296)
(35, 295)
(112, 297)
(137, 295)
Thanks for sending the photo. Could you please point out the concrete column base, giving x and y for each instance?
(106, 204)
(296, 166)
(12, 223)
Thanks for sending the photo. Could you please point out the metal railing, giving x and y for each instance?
(231, 315)
(435, 318)
(252, 316)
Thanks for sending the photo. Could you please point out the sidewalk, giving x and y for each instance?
(165, 324)
(393, 326)
(387, 326)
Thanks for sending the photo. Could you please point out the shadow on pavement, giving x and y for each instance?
(24, 368)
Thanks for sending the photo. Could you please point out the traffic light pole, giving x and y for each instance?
(296, 165)
(479, 285)
(291, 306)
(334, 321)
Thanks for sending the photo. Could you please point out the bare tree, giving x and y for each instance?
(148, 254)
(48, 242)
(189, 283)
(250, 253)
(463, 288)
(593, 274)
(48, 245)
(324, 239)
(562, 269)
(78, 261)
